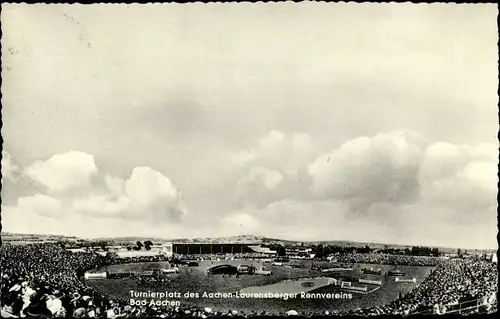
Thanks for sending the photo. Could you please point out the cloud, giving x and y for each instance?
(114, 184)
(367, 170)
(272, 140)
(42, 205)
(401, 167)
(274, 169)
(103, 206)
(390, 183)
(146, 194)
(460, 176)
(258, 185)
(372, 175)
(146, 184)
(243, 157)
(63, 172)
(278, 151)
(9, 167)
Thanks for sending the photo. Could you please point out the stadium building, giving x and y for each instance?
(219, 248)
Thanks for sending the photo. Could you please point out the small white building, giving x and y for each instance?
(167, 250)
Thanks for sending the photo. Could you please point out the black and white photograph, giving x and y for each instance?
(249, 159)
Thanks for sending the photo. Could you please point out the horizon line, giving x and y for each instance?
(257, 236)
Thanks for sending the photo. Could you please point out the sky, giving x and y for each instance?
(301, 121)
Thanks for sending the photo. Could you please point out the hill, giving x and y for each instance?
(15, 238)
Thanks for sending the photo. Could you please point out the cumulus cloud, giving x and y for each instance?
(114, 184)
(460, 176)
(278, 151)
(9, 167)
(41, 204)
(400, 167)
(387, 182)
(146, 184)
(368, 170)
(63, 172)
(272, 140)
(274, 169)
(258, 186)
(146, 194)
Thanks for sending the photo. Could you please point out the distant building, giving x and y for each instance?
(215, 248)
(262, 250)
(299, 252)
(167, 250)
(138, 253)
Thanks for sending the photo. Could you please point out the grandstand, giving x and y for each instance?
(218, 248)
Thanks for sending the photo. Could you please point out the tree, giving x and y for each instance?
(319, 251)
(148, 244)
(281, 251)
(416, 251)
(129, 248)
(139, 245)
(110, 254)
(103, 245)
(327, 250)
(365, 250)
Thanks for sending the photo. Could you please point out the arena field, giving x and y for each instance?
(196, 280)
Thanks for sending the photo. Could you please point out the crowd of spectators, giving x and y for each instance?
(386, 259)
(43, 280)
(452, 285)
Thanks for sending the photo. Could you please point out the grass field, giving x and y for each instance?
(196, 280)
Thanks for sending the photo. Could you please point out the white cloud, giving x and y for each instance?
(146, 184)
(274, 169)
(460, 176)
(9, 167)
(114, 184)
(278, 151)
(273, 139)
(146, 195)
(367, 170)
(243, 157)
(258, 185)
(268, 178)
(103, 206)
(63, 172)
(398, 168)
(41, 204)
(376, 181)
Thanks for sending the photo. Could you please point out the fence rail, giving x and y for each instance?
(456, 308)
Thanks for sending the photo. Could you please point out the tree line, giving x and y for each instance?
(104, 245)
(321, 251)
